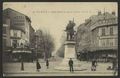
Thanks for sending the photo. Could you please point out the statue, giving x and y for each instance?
(70, 30)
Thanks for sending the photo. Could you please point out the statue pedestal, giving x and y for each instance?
(69, 53)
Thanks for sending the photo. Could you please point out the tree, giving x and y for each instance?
(45, 44)
(83, 40)
(61, 50)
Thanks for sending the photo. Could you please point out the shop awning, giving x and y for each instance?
(112, 56)
(21, 51)
(103, 48)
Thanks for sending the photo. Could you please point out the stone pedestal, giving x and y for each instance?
(69, 53)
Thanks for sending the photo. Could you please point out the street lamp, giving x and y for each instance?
(22, 63)
(36, 37)
(44, 45)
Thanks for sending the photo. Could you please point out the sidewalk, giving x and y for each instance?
(60, 73)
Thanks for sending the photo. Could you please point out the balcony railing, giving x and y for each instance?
(104, 48)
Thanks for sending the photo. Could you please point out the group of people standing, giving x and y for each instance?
(38, 66)
(70, 63)
(93, 67)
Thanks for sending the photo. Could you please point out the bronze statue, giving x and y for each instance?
(70, 30)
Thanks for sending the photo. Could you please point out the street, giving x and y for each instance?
(14, 69)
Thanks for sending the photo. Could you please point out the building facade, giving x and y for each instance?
(105, 37)
(102, 37)
(32, 37)
(20, 26)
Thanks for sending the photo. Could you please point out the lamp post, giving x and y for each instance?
(44, 45)
(22, 63)
(36, 38)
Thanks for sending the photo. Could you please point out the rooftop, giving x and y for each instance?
(92, 20)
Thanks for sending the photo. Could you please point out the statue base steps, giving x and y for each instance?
(70, 53)
(77, 66)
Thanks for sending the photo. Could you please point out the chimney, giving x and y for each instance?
(99, 13)
(113, 13)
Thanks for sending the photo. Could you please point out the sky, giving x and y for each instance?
(53, 17)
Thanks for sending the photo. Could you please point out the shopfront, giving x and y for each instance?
(22, 54)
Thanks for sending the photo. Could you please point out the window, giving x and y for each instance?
(103, 31)
(116, 42)
(18, 44)
(104, 21)
(15, 34)
(111, 31)
(19, 21)
(21, 35)
(4, 30)
(4, 42)
(103, 44)
(14, 43)
(107, 42)
(111, 43)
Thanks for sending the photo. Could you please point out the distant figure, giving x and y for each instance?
(38, 66)
(47, 63)
(71, 65)
(94, 64)
(114, 64)
(115, 67)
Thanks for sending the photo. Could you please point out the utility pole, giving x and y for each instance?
(22, 59)
(44, 48)
(36, 47)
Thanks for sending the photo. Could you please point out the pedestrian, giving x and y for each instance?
(38, 66)
(94, 64)
(115, 66)
(115, 71)
(114, 63)
(47, 63)
(71, 65)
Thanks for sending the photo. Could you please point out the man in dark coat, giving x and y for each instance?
(71, 65)
(115, 66)
(94, 63)
(38, 66)
(47, 63)
(114, 63)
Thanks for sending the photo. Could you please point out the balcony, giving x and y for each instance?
(21, 50)
(15, 37)
(101, 23)
(104, 48)
(115, 36)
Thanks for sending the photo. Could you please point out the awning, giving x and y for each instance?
(21, 51)
(103, 48)
(7, 50)
(112, 56)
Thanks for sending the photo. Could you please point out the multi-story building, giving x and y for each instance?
(105, 37)
(101, 33)
(20, 26)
